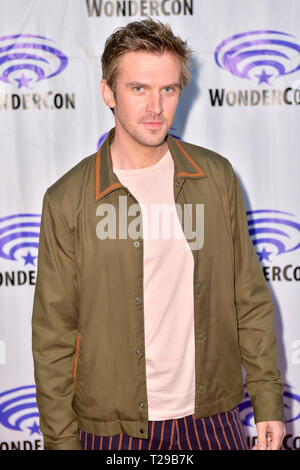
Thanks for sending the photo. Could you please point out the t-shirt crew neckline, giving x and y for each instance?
(147, 169)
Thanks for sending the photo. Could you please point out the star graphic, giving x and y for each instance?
(23, 81)
(263, 77)
(264, 254)
(29, 259)
(34, 428)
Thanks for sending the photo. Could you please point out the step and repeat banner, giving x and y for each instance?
(243, 102)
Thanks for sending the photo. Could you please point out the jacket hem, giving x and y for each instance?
(137, 429)
(219, 406)
(63, 444)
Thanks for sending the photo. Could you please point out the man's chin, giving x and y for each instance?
(153, 140)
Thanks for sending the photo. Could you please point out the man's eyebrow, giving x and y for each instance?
(173, 85)
(133, 84)
(145, 85)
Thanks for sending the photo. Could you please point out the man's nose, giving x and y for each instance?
(154, 103)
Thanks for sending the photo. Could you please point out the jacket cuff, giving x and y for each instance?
(268, 407)
(74, 444)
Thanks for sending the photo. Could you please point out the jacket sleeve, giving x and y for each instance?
(257, 339)
(54, 331)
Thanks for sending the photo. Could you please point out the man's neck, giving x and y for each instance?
(133, 155)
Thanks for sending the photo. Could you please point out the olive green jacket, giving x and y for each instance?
(88, 321)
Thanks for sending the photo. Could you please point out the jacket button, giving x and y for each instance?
(138, 299)
(136, 244)
(142, 431)
(201, 336)
(197, 285)
(138, 351)
(142, 405)
(201, 388)
(177, 184)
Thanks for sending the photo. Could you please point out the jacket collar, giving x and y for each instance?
(107, 180)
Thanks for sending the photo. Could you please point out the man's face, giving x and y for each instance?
(146, 96)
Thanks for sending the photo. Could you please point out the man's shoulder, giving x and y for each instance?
(207, 159)
(74, 181)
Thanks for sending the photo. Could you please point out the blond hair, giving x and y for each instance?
(143, 36)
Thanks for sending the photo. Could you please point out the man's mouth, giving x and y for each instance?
(152, 124)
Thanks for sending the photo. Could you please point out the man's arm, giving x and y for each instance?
(254, 307)
(54, 331)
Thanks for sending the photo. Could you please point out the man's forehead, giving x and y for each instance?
(139, 62)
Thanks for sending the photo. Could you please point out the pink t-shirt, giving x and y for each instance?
(168, 293)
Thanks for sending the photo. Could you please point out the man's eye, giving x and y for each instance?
(169, 90)
(138, 89)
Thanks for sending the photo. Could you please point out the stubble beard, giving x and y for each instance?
(146, 137)
(152, 140)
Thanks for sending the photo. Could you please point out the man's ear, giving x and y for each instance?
(107, 94)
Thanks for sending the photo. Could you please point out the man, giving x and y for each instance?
(138, 337)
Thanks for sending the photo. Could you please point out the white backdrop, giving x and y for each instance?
(243, 103)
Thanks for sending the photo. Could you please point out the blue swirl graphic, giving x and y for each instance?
(101, 140)
(10, 238)
(231, 56)
(17, 406)
(274, 229)
(17, 52)
(246, 411)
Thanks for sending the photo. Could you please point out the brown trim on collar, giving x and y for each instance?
(98, 189)
(185, 161)
(184, 173)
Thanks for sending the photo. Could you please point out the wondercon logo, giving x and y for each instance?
(19, 410)
(19, 236)
(28, 58)
(291, 407)
(263, 55)
(273, 232)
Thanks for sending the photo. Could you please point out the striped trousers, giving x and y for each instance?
(223, 431)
